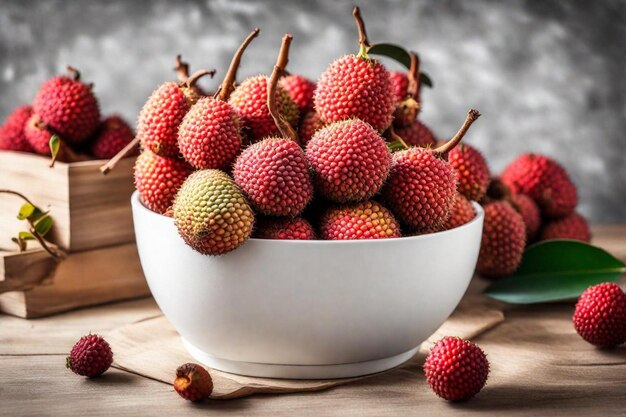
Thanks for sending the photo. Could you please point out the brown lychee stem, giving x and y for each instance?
(394, 136)
(74, 73)
(191, 81)
(364, 43)
(472, 115)
(281, 63)
(106, 168)
(229, 80)
(413, 88)
(182, 69)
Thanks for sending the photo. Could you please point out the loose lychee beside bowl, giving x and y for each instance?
(307, 308)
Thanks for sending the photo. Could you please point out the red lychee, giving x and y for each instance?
(573, 226)
(471, 170)
(349, 159)
(301, 91)
(365, 220)
(38, 135)
(527, 207)
(158, 179)
(462, 212)
(12, 136)
(503, 241)
(309, 124)
(600, 315)
(399, 85)
(193, 382)
(285, 229)
(545, 181)
(406, 91)
(417, 134)
(68, 107)
(456, 369)
(114, 134)
(91, 356)
(356, 86)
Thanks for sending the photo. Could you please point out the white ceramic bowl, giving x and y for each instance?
(306, 309)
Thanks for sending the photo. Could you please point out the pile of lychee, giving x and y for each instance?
(282, 157)
(68, 108)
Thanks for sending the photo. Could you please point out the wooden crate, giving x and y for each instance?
(90, 210)
(36, 285)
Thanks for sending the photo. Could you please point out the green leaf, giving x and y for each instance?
(426, 80)
(26, 211)
(43, 225)
(400, 55)
(55, 145)
(556, 270)
(396, 145)
(25, 236)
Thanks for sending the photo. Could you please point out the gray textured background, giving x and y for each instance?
(548, 76)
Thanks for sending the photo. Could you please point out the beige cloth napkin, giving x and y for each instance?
(152, 348)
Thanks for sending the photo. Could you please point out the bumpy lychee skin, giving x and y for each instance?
(274, 175)
(193, 382)
(420, 189)
(503, 241)
(68, 107)
(301, 91)
(527, 207)
(158, 179)
(114, 134)
(417, 134)
(471, 170)
(399, 85)
(456, 369)
(161, 115)
(91, 356)
(462, 212)
(356, 87)
(545, 181)
(38, 135)
(285, 229)
(349, 159)
(365, 220)
(211, 213)
(573, 226)
(309, 124)
(600, 315)
(12, 136)
(249, 100)
(209, 136)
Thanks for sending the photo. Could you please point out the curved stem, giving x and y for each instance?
(281, 63)
(414, 77)
(20, 195)
(472, 115)
(191, 81)
(119, 156)
(229, 80)
(74, 73)
(395, 137)
(364, 44)
(182, 69)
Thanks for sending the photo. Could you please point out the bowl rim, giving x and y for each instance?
(137, 204)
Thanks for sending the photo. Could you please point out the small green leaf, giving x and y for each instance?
(396, 145)
(557, 270)
(26, 211)
(21, 244)
(400, 55)
(37, 214)
(25, 236)
(55, 145)
(43, 225)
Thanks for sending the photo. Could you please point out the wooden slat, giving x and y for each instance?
(24, 270)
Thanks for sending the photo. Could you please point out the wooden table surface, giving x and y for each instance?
(540, 366)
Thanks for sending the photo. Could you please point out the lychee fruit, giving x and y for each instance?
(209, 137)
(600, 315)
(68, 107)
(349, 159)
(573, 226)
(527, 207)
(399, 85)
(406, 88)
(301, 91)
(274, 175)
(421, 187)
(12, 136)
(162, 114)
(285, 228)
(193, 382)
(158, 179)
(114, 134)
(356, 86)
(503, 240)
(416, 134)
(364, 220)
(456, 369)
(310, 123)
(462, 212)
(211, 213)
(91, 356)
(545, 181)
(471, 170)
(38, 135)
